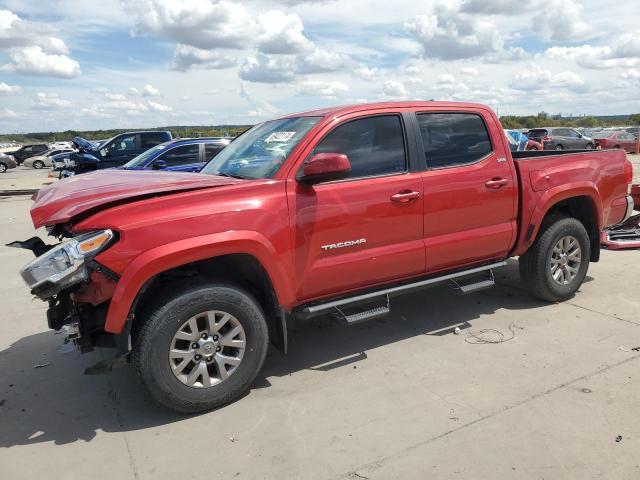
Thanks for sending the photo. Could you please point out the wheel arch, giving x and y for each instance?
(238, 254)
(581, 204)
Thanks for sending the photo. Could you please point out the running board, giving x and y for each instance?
(475, 284)
(311, 310)
(371, 311)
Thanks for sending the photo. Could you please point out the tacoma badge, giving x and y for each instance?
(348, 243)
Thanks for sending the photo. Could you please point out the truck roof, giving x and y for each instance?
(358, 107)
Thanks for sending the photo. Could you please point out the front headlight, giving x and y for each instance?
(64, 265)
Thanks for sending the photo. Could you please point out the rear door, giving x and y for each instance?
(366, 229)
(470, 191)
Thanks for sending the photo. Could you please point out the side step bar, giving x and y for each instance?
(312, 310)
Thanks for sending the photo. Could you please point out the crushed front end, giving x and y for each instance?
(76, 287)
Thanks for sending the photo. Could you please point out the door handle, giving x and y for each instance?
(496, 183)
(405, 196)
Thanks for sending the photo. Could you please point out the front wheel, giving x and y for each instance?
(555, 266)
(559, 147)
(201, 348)
(3, 167)
(590, 146)
(38, 164)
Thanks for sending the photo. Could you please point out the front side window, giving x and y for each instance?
(452, 139)
(123, 144)
(260, 151)
(374, 145)
(181, 155)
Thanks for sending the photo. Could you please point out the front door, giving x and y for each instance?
(470, 193)
(366, 229)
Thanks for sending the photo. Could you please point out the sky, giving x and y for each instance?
(69, 64)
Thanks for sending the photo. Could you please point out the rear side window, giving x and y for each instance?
(537, 133)
(182, 155)
(149, 140)
(211, 150)
(452, 139)
(374, 145)
(123, 144)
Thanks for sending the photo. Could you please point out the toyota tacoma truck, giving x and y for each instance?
(191, 276)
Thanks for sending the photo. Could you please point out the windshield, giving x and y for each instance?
(142, 159)
(259, 152)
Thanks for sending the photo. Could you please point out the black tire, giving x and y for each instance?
(153, 341)
(559, 147)
(3, 167)
(38, 164)
(590, 146)
(535, 268)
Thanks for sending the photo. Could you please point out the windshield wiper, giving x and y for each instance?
(224, 174)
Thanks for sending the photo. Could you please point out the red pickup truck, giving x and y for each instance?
(333, 210)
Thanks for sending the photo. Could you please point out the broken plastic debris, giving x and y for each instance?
(41, 365)
(457, 331)
(619, 438)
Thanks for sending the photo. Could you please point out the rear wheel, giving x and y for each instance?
(555, 266)
(38, 164)
(3, 167)
(202, 348)
(559, 147)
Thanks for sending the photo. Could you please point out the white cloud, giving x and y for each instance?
(267, 69)
(259, 108)
(318, 60)
(536, 78)
(115, 96)
(158, 107)
(281, 32)
(565, 25)
(323, 89)
(150, 91)
(6, 113)
(34, 61)
(469, 71)
(394, 89)
(203, 24)
(186, 56)
(366, 73)
(6, 89)
(44, 101)
(448, 34)
(624, 51)
(445, 78)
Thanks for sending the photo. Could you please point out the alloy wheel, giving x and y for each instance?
(565, 260)
(207, 349)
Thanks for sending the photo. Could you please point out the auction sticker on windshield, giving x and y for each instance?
(279, 137)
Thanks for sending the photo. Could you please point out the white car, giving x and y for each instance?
(61, 146)
(44, 160)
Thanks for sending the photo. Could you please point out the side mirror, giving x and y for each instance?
(159, 164)
(323, 167)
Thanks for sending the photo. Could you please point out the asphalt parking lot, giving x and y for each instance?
(402, 397)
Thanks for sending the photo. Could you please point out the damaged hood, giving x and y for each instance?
(66, 199)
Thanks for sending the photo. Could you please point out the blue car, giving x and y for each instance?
(185, 155)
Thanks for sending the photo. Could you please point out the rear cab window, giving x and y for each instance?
(453, 139)
(374, 145)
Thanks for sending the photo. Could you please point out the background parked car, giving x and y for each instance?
(26, 151)
(115, 152)
(184, 155)
(6, 162)
(617, 139)
(61, 146)
(561, 138)
(45, 159)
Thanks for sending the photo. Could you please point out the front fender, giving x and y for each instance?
(157, 260)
